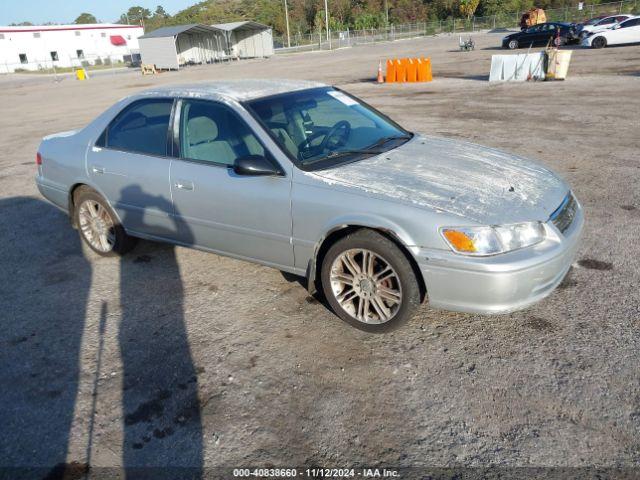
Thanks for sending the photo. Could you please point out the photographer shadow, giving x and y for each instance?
(162, 419)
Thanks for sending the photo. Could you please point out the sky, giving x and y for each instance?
(66, 11)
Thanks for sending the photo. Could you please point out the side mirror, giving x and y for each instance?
(254, 165)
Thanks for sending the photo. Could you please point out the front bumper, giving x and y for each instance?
(586, 42)
(500, 283)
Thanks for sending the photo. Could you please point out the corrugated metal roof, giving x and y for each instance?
(178, 29)
(245, 25)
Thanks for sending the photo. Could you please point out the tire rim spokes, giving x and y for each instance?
(97, 226)
(366, 286)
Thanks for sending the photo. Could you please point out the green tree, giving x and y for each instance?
(85, 18)
(160, 12)
(136, 14)
(468, 7)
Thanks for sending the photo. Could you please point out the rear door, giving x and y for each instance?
(628, 32)
(244, 216)
(130, 166)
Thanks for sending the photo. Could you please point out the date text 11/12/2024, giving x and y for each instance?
(315, 472)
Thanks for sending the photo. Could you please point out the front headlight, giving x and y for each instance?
(494, 239)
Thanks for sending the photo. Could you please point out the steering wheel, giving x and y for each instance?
(333, 132)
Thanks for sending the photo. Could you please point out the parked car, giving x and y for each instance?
(542, 34)
(600, 25)
(311, 180)
(620, 33)
(592, 21)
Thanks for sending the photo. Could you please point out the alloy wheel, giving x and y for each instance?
(97, 226)
(366, 286)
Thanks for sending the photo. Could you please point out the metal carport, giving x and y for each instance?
(248, 39)
(173, 47)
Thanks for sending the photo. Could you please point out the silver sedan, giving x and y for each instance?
(309, 179)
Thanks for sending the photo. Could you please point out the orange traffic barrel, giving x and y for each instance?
(424, 70)
(401, 71)
(391, 71)
(412, 70)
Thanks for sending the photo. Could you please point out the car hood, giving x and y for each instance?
(479, 183)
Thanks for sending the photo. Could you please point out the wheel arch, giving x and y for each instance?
(72, 191)
(340, 231)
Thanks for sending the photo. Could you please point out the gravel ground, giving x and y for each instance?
(171, 356)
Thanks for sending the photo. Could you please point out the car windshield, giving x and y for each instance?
(323, 127)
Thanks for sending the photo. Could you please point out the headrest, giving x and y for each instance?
(201, 129)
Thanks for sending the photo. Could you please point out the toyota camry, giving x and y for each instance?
(311, 180)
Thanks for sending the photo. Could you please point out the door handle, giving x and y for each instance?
(184, 185)
(97, 169)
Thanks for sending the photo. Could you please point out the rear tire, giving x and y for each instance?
(559, 41)
(369, 282)
(98, 225)
(599, 42)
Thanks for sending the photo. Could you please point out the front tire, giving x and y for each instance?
(599, 42)
(98, 226)
(369, 282)
(513, 44)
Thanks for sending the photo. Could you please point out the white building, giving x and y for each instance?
(43, 47)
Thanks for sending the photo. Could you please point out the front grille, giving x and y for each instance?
(563, 217)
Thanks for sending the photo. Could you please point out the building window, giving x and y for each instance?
(128, 37)
(36, 35)
(80, 54)
(77, 33)
(54, 56)
(103, 35)
(1, 36)
(23, 58)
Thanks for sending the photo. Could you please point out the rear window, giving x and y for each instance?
(142, 127)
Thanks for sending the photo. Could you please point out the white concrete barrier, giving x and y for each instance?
(517, 68)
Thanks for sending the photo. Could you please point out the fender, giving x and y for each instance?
(373, 222)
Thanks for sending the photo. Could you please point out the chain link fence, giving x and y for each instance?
(319, 40)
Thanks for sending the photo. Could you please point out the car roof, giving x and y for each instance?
(240, 90)
(617, 15)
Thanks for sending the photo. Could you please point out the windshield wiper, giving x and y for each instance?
(342, 153)
(371, 149)
(384, 140)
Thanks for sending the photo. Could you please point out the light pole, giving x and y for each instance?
(286, 16)
(326, 21)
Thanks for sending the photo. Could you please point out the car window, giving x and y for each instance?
(534, 29)
(142, 127)
(607, 21)
(630, 23)
(211, 132)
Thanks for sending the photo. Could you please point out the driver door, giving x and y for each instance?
(243, 216)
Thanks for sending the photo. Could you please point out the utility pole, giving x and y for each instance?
(326, 21)
(286, 16)
(386, 11)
